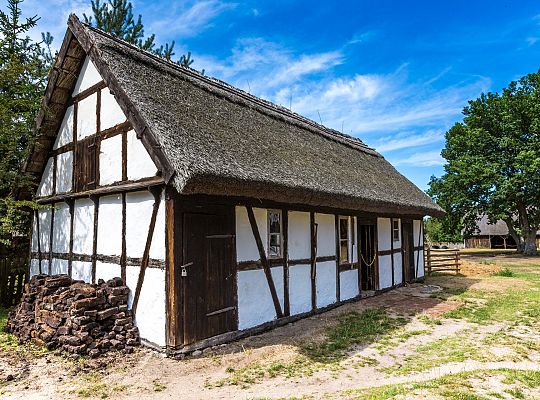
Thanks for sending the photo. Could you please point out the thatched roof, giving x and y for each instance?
(485, 228)
(208, 137)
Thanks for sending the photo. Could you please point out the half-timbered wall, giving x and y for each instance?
(309, 280)
(103, 234)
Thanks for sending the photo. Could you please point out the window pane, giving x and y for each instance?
(274, 248)
(343, 251)
(343, 229)
(274, 219)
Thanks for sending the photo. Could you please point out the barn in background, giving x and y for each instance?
(224, 214)
(493, 236)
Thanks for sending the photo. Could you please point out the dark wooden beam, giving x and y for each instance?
(286, 295)
(359, 254)
(51, 239)
(36, 216)
(171, 310)
(313, 246)
(123, 257)
(392, 247)
(71, 205)
(88, 92)
(95, 200)
(264, 261)
(123, 187)
(336, 237)
(146, 254)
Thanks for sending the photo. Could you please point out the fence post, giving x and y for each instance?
(429, 260)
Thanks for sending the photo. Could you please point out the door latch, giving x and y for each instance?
(184, 269)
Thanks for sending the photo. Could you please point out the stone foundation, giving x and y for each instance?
(60, 313)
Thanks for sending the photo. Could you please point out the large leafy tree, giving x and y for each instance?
(24, 65)
(116, 17)
(493, 162)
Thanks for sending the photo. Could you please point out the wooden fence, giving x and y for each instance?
(438, 260)
(13, 276)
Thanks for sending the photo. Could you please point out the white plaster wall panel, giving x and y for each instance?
(110, 160)
(87, 117)
(83, 226)
(34, 233)
(246, 248)
(150, 318)
(325, 282)
(348, 284)
(109, 238)
(255, 305)
(157, 247)
(45, 187)
(88, 77)
(111, 114)
(398, 269)
(45, 228)
(65, 133)
(385, 272)
(139, 207)
(299, 235)
(326, 235)
(418, 233)
(45, 267)
(64, 172)
(34, 267)
(81, 271)
(107, 271)
(299, 289)
(384, 233)
(139, 163)
(419, 255)
(61, 228)
(59, 267)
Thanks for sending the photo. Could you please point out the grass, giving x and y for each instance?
(521, 305)
(474, 385)
(91, 385)
(505, 272)
(353, 329)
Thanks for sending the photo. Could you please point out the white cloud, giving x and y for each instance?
(407, 140)
(424, 159)
(181, 21)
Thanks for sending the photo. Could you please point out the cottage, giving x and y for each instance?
(223, 213)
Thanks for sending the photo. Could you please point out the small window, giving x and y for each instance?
(395, 230)
(274, 233)
(344, 237)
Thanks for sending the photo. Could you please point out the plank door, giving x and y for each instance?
(408, 251)
(210, 284)
(367, 247)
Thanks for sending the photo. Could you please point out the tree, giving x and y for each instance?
(116, 17)
(440, 230)
(493, 162)
(24, 66)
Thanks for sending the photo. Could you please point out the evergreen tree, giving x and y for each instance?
(24, 66)
(116, 17)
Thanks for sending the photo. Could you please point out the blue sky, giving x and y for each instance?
(394, 73)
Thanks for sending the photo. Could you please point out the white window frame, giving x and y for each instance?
(349, 239)
(270, 234)
(396, 238)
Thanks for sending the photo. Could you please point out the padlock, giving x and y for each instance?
(184, 272)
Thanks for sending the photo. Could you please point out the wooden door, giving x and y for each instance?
(408, 251)
(367, 251)
(210, 284)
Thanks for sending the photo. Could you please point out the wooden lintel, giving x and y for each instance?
(264, 261)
